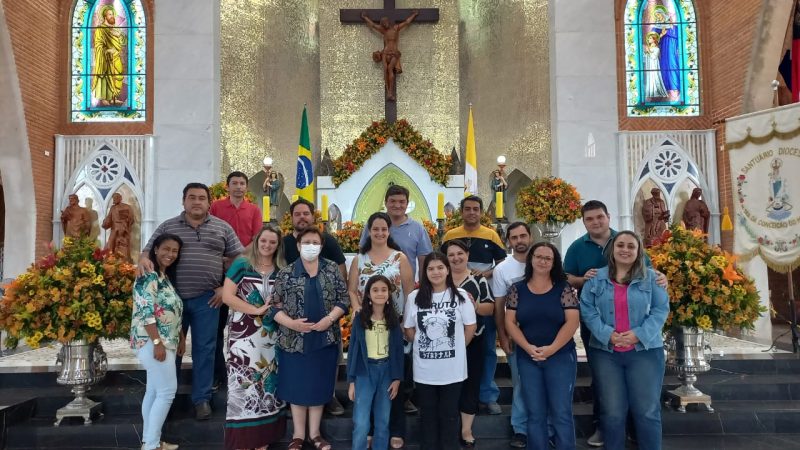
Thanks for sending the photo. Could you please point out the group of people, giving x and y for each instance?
(435, 337)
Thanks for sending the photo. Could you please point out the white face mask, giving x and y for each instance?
(309, 252)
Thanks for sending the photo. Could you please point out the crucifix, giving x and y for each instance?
(389, 23)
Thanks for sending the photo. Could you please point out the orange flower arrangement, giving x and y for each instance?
(549, 199)
(455, 219)
(706, 289)
(432, 228)
(405, 136)
(78, 292)
(220, 190)
(349, 235)
(346, 324)
(286, 222)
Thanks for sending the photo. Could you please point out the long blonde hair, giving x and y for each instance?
(251, 252)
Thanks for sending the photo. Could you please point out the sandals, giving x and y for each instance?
(320, 444)
(295, 444)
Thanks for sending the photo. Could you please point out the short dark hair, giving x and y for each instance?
(301, 201)
(236, 174)
(196, 186)
(470, 198)
(310, 230)
(556, 272)
(592, 205)
(396, 189)
(515, 225)
(458, 243)
(171, 271)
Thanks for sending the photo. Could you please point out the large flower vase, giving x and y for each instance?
(550, 230)
(685, 354)
(82, 365)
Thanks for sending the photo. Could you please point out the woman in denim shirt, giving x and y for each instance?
(309, 298)
(625, 310)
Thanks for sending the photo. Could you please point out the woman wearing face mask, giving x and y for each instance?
(625, 309)
(309, 298)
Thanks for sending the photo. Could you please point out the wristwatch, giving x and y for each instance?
(156, 341)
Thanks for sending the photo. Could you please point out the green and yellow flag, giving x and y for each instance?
(305, 168)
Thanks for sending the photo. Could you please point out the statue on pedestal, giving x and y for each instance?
(120, 220)
(696, 214)
(390, 55)
(273, 187)
(75, 219)
(656, 215)
(499, 183)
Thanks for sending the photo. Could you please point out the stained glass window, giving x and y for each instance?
(661, 62)
(107, 61)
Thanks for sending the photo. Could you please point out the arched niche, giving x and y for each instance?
(371, 198)
(516, 180)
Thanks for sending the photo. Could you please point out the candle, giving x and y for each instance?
(265, 209)
(295, 197)
(324, 208)
(440, 206)
(498, 203)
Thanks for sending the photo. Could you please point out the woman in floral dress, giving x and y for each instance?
(255, 417)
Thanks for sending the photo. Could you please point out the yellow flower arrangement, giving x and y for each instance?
(706, 289)
(454, 220)
(432, 228)
(286, 222)
(549, 199)
(220, 190)
(78, 292)
(349, 236)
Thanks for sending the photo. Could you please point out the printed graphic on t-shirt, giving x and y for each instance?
(437, 328)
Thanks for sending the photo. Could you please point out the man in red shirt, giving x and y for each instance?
(243, 216)
(245, 219)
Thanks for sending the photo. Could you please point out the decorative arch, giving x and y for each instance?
(661, 58)
(108, 66)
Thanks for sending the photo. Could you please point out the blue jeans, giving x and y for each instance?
(489, 392)
(630, 380)
(547, 388)
(372, 396)
(203, 321)
(519, 415)
(161, 386)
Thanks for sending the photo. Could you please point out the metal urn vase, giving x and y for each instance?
(82, 365)
(686, 355)
(550, 230)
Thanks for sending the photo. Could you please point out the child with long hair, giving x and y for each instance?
(374, 363)
(440, 321)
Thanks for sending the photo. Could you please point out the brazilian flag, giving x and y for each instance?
(305, 169)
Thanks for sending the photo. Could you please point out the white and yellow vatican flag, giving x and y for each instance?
(471, 166)
(764, 151)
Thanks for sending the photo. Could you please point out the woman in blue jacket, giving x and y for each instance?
(625, 310)
(374, 363)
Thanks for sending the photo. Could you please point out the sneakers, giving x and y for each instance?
(519, 440)
(334, 408)
(202, 411)
(596, 440)
(409, 407)
(493, 408)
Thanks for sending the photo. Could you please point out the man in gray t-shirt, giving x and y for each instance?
(207, 242)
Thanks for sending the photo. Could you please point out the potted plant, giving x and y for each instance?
(549, 203)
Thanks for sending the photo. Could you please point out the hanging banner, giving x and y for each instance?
(764, 151)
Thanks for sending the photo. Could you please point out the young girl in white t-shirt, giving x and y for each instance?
(440, 321)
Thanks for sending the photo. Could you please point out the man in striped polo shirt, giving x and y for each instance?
(207, 240)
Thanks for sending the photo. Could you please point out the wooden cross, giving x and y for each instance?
(429, 15)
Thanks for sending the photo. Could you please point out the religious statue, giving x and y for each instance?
(390, 55)
(109, 41)
(273, 186)
(120, 221)
(75, 219)
(499, 183)
(655, 215)
(779, 206)
(696, 214)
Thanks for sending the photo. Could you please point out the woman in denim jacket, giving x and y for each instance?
(625, 310)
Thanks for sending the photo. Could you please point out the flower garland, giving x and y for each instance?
(405, 136)
(549, 199)
(706, 289)
(78, 292)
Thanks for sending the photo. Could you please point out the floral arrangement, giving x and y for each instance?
(432, 228)
(286, 222)
(706, 289)
(405, 136)
(454, 220)
(78, 292)
(220, 190)
(349, 235)
(346, 324)
(549, 199)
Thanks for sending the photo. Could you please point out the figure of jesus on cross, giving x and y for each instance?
(390, 55)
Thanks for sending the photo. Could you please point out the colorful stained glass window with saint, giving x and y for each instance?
(661, 61)
(108, 62)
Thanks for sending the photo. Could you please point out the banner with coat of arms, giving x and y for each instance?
(764, 151)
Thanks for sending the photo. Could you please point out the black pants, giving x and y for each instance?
(438, 406)
(220, 372)
(468, 404)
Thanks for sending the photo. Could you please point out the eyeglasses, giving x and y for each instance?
(543, 258)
